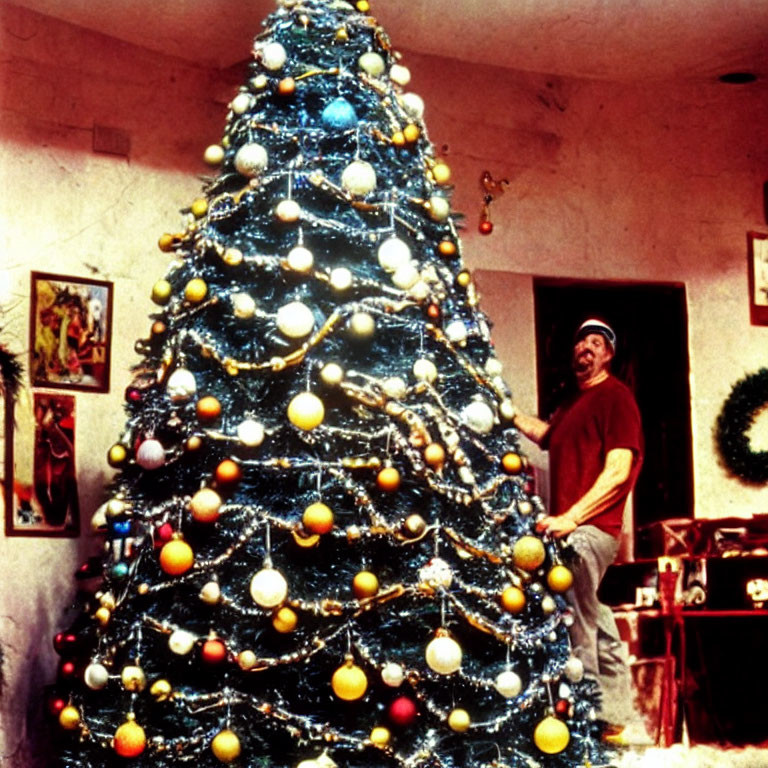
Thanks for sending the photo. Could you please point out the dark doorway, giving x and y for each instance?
(651, 322)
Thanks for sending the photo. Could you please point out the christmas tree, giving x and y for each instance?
(321, 545)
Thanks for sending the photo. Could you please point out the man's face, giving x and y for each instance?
(591, 355)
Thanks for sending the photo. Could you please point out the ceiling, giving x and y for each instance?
(623, 40)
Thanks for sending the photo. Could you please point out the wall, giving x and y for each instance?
(67, 210)
(651, 182)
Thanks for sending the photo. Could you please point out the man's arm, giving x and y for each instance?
(532, 427)
(606, 489)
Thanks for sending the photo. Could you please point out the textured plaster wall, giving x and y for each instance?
(648, 182)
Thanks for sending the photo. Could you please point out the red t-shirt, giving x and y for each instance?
(582, 431)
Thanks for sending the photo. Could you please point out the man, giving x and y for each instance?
(595, 443)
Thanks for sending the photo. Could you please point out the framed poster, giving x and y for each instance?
(40, 488)
(70, 332)
(757, 269)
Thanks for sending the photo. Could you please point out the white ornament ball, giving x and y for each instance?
(548, 605)
(181, 385)
(243, 305)
(210, 593)
(273, 56)
(524, 507)
(340, 279)
(359, 178)
(419, 291)
(362, 325)
(436, 573)
(392, 674)
(96, 676)
(295, 320)
(181, 642)
(151, 454)
(251, 160)
(439, 208)
(269, 588)
(456, 331)
(413, 104)
(250, 433)
(443, 655)
(241, 103)
(574, 669)
(507, 409)
(372, 63)
(288, 211)
(493, 366)
(394, 253)
(260, 82)
(300, 259)
(478, 416)
(232, 257)
(425, 370)
(214, 154)
(394, 387)
(406, 276)
(399, 74)
(332, 374)
(508, 684)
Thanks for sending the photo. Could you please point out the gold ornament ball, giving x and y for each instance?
(528, 553)
(559, 578)
(226, 746)
(103, 616)
(208, 408)
(130, 739)
(117, 455)
(512, 463)
(365, 584)
(434, 455)
(161, 292)
(441, 173)
(161, 690)
(133, 678)
(458, 720)
(447, 248)
(287, 86)
(551, 735)
(363, 6)
(166, 242)
(176, 557)
(199, 207)
(349, 681)
(247, 660)
(205, 505)
(388, 479)
(398, 139)
(463, 279)
(195, 290)
(513, 599)
(194, 443)
(411, 133)
(214, 154)
(380, 736)
(285, 620)
(414, 525)
(342, 35)
(306, 411)
(318, 518)
(69, 718)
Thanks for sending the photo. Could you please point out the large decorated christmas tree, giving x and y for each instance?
(320, 542)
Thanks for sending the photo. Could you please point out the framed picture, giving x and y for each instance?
(40, 483)
(757, 268)
(70, 332)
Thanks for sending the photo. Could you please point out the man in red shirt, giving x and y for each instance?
(595, 443)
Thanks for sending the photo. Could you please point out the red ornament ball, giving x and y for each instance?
(485, 227)
(133, 394)
(214, 651)
(55, 706)
(164, 532)
(403, 711)
(562, 707)
(67, 669)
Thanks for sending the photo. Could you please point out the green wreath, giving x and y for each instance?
(747, 397)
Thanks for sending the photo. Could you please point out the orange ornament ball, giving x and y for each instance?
(208, 408)
(226, 746)
(512, 463)
(130, 739)
(434, 455)
(287, 86)
(228, 472)
(365, 584)
(213, 651)
(388, 479)
(411, 133)
(176, 557)
(528, 553)
(446, 248)
(318, 518)
(513, 599)
(285, 620)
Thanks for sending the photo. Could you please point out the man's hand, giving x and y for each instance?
(558, 526)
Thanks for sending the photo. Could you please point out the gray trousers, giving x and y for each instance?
(594, 634)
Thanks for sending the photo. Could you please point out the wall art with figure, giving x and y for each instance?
(70, 332)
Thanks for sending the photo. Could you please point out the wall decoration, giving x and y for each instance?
(70, 332)
(757, 268)
(10, 381)
(40, 489)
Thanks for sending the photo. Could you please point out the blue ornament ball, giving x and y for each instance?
(339, 114)
(120, 570)
(122, 527)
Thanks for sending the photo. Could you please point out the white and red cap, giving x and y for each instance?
(593, 325)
